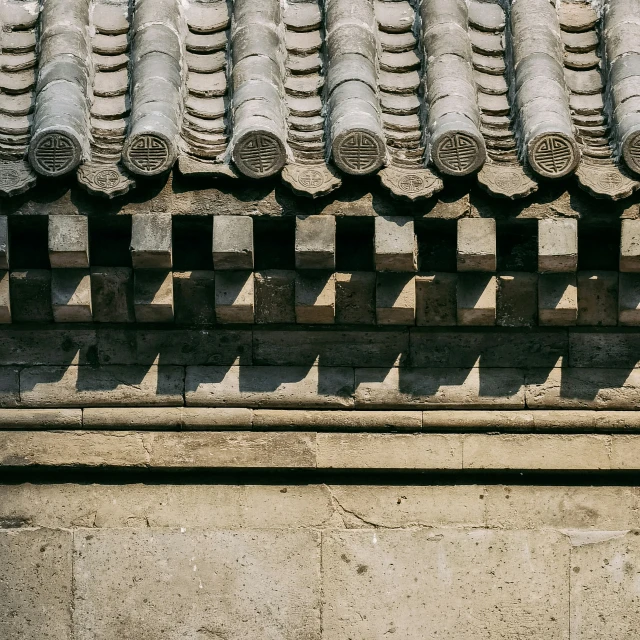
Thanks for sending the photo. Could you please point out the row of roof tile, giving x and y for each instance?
(415, 91)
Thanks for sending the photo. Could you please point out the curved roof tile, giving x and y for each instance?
(417, 91)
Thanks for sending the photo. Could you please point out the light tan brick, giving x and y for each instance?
(389, 451)
(536, 451)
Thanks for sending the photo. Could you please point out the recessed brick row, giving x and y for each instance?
(280, 296)
(236, 288)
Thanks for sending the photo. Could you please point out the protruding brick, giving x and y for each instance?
(31, 295)
(629, 299)
(557, 299)
(315, 298)
(517, 304)
(598, 298)
(112, 294)
(436, 304)
(232, 242)
(5, 298)
(153, 295)
(4, 242)
(355, 297)
(476, 249)
(275, 293)
(69, 242)
(151, 244)
(316, 242)
(194, 297)
(630, 246)
(396, 298)
(557, 245)
(476, 299)
(395, 244)
(71, 295)
(235, 295)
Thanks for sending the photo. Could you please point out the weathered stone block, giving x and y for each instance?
(562, 507)
(395, 244)
(355, 297)
(583, 388)
(275, 296)
(235, 296)
(107, 386)
(5, 298)
(71, 295)
(395, 298)
(233, 450)
(151, 241)
(69, 242)
(286, 387)
(232, 242)
(40, 419)
(487, 349)
(476, 247)
(72, 449)
(630, 246)
(171, 418)
(557, 299)
(604, 584)
(112, 294)
(9, 387)
(27, 346)
(436, 299)
(602, 350)
(4, 242)
(339, 348)
(442, 388)
(315, 298)
(389, 451)
(194, 297)
(177, 346)
(517, 299)
(625, 452)
(536, 451)
(203, 506)
(31, 296)
(629, 299)
(476, 299)
(598, 298)
(337, 420)
(454, 571)
(557, 245)
(316, 242)
(410, 506)
(153, 295)
(243, 584)
(36, 584)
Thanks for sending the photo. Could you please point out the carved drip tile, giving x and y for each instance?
(311, 180)
(15, 177)
(506, 180)
(410, 184)
(108, 180)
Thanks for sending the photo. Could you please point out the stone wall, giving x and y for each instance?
(155, 559)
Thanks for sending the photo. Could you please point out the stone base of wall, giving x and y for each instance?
(82, 561)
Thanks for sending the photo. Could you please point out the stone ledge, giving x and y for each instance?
(321, 451)
(332, 420)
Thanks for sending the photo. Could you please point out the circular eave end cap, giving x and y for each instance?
(55, 152)
(259, 154)
(459, 153)
(553, 155)
(358, 152)
(149, 154)
(631, 151)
